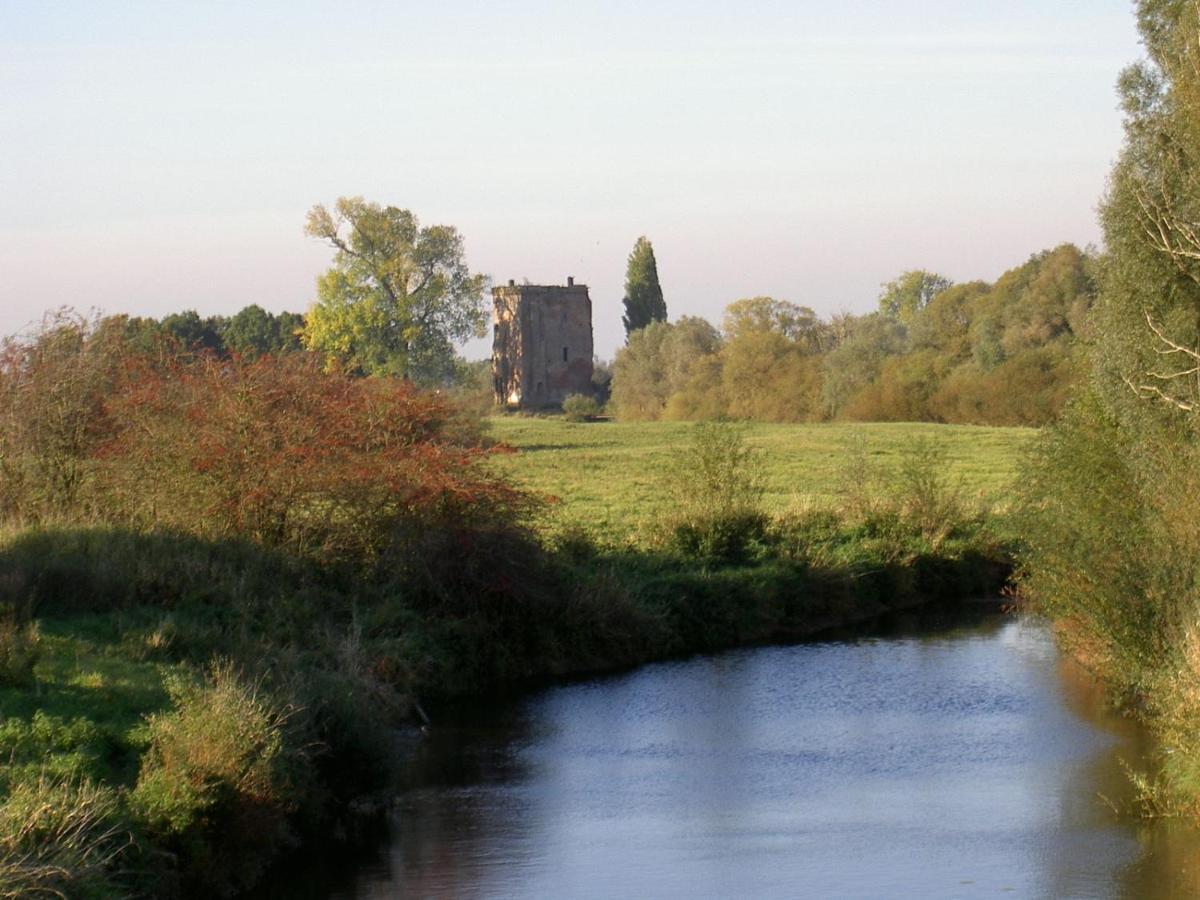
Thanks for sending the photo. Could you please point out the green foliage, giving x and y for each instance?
(53, 745)
(798, 324)
(908, 294)
(194, 333)
(643, 295)
(1093, 560)
(254, 331)
(715, 486)
(717, 473)
(768, 377)
(62, 838)
(929, 498)
(971, 353)
(856, 362)
(580, 408)
(18, 651)
(398, 297)
(1110, 492)
(472, 389)
(657, 363)
(217, 778)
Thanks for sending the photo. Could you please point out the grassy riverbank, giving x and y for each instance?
(271, 685)
(180, 707)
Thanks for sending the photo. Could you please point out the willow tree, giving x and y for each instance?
(1114, 548)
(398, 296)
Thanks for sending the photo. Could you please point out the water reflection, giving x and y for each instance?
(943, 759)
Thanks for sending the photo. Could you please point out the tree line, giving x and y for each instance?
(400, 297)
(253, 331)
(1005, 353)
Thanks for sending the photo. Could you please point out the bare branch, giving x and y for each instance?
(1169, 376)
(1149, 392)
(1175, 348)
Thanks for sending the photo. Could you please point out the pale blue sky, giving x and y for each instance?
(158, 156)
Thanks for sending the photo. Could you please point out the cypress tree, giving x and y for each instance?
(643, 296)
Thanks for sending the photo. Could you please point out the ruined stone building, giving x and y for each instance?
(541, 344)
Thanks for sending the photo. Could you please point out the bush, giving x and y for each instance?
(928, 499)
(280, 453)
(18, 652)
(53, 388)
(580, 408)
(217, 779)
(728, 538)
(860, 483)
(916, 499)
(716, 484)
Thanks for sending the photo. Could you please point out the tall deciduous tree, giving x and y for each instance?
(643, 295)
(398, 297)
(1113, 490)
(906, 295)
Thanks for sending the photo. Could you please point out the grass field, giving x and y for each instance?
(609, 476)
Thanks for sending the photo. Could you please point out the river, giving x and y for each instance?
(935, 756)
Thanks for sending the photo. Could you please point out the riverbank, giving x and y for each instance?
(956, 739)
(166, 668)
(225, 582)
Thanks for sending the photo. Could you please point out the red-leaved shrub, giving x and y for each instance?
(278, 451)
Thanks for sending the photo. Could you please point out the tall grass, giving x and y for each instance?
(62, 839)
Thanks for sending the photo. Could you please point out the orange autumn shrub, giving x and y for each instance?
(279, 452)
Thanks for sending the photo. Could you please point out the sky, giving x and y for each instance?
(159, 156)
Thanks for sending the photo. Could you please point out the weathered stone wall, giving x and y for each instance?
(542, 344)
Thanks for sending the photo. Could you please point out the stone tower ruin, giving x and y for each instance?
(541, 344)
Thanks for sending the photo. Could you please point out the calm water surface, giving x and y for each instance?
(931, 759)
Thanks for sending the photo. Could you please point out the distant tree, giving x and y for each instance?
(766, 314)
(290, 328)
(639, 384)
(691, 338)
(659, 361)
(858, 360)
(602, 375)
(137, 333)
(902, 392)
(253, 330)
(643, 296)
(837, 330)
(769, 378)
(906, 295)
(702, 397)
(945, 322)
(398, 296)
(195, 333)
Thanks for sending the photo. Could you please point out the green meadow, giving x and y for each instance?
(608, 476)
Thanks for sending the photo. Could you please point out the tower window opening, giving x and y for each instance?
(564, 354)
